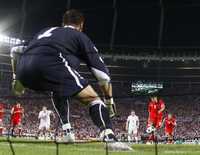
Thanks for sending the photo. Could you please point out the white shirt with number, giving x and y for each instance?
(44, 117)
(133, 122)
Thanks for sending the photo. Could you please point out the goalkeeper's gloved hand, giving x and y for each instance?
(111, 107)
(17, 87)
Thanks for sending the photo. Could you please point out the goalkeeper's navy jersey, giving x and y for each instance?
(51, 60)
(75, 47)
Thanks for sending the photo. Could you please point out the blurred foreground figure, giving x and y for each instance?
(51, 62)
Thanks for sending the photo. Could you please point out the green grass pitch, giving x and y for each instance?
(29, 148)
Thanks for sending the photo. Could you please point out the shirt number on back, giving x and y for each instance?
(46, 33)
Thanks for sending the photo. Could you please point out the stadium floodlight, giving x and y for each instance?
(10, 40)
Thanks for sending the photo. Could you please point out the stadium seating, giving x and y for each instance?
(185, 108)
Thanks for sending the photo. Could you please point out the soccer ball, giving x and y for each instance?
(69, 137)
(150, 129)
(118, 146)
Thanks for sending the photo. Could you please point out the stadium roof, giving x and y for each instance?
(138, 22)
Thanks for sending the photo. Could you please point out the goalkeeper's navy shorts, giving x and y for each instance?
(49, 72)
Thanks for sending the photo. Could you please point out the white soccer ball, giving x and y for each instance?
(150, 129)
(118, 146)
(69, 137)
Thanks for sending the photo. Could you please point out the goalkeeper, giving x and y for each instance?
(18, 89)
(51, 62)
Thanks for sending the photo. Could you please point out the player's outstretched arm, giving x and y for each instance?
(108, 99)
(12, 111)
(96, 64)
(15, 54)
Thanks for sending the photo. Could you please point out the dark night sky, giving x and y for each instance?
(137, 24)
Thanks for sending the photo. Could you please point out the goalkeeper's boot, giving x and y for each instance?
(68, 134)
(112, 143)
(107, 135)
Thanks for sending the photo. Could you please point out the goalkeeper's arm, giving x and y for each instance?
(106, 88)
(15, 54)
(108, 98)
(100, 71)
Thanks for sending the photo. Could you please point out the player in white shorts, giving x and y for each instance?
(44, 117)
(132, 125)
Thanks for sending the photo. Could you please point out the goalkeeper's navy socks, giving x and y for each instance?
(61, 106)
(100, 115)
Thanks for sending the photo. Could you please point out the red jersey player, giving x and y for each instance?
(170, 123)
(155, 108)
(17, 112)
(1, 117)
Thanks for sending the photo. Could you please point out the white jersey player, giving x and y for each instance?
(44, 117)
(132, 126)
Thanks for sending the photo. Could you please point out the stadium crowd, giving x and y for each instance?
(186, 109)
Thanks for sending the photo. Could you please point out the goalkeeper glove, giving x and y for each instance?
(111, 107)
(17, 87)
